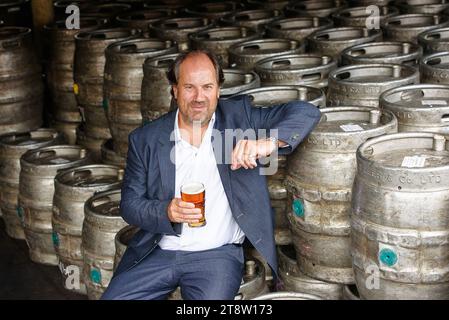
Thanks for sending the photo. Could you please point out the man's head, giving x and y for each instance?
(196, 78)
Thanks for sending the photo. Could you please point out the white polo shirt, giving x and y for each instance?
(199, 164)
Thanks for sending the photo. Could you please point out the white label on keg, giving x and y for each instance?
(434, 102)
(414, 162)
(59, 160)
(351, 127)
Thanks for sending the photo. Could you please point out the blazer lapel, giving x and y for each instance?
(220, 157)
(167, 167)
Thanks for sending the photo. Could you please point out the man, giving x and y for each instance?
(205, 262)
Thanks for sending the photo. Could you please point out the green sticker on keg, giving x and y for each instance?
(298, 208)
(388, 257)
(95, 275)
(145, 122)
(20, 213)
(55, 238)
(105, 104)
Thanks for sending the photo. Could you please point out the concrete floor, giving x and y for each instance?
(22, 279)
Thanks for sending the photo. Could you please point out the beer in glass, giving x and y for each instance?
(195, 193)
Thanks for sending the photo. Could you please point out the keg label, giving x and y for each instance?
(20, 213)
(388, 257)
(95, 275)
(55, 239)
(76, 88)
(351, 127)
(413, 162)
(105, 104)
(434, 102)
(298, 208)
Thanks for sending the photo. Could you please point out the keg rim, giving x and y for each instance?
(425, 59)
(27, 157)
(231, 18)
(55, 136)
(234, 49)
(384, 102)
(422, 36)
(20, 32)
(287, 295)
(59, 26)
(391, 123)
(90, 206)
(149, 62)
(158, 25)
(113, 49)
(200, 9)
(372, 34)
(318, 100)
(252, 34)
(125, 231)
(444, 21)
(229, 91)
(405, 5)
(87, 35)
(125, 17)
(416, 49)
(323, 23)
(61, 177)
(338, 15)
(362, 158)
(376, 66)
(259, 65)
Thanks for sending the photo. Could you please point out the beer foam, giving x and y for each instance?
(192, 188)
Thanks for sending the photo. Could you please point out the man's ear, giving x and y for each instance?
(175, 91)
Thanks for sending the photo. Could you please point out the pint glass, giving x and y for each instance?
(195, 193)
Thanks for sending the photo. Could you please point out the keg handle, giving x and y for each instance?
(81, 173)
(250, 47)
(45, 154)
(445, 118)
(102, 200)
(312, 76)
(11, 44)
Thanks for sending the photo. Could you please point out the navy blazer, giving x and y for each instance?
(149, 181)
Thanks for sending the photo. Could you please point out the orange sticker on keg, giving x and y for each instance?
(75, 88)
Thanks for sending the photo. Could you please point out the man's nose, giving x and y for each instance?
(199, 95)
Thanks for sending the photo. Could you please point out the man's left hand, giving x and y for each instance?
(246, 152)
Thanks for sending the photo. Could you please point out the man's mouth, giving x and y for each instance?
(198, 107)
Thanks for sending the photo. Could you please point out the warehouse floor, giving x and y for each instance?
(20, 278)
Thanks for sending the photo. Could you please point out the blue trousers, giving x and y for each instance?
(214, 274)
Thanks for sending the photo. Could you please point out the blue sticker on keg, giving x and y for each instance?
(298, 208)
(20, 213)
(105, 104)
(55, 238)
(388, 257)
(95, 275)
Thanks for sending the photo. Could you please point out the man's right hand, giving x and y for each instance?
(183, 212)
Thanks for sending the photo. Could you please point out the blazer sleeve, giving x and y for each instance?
(293, 120)
(135, 207)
